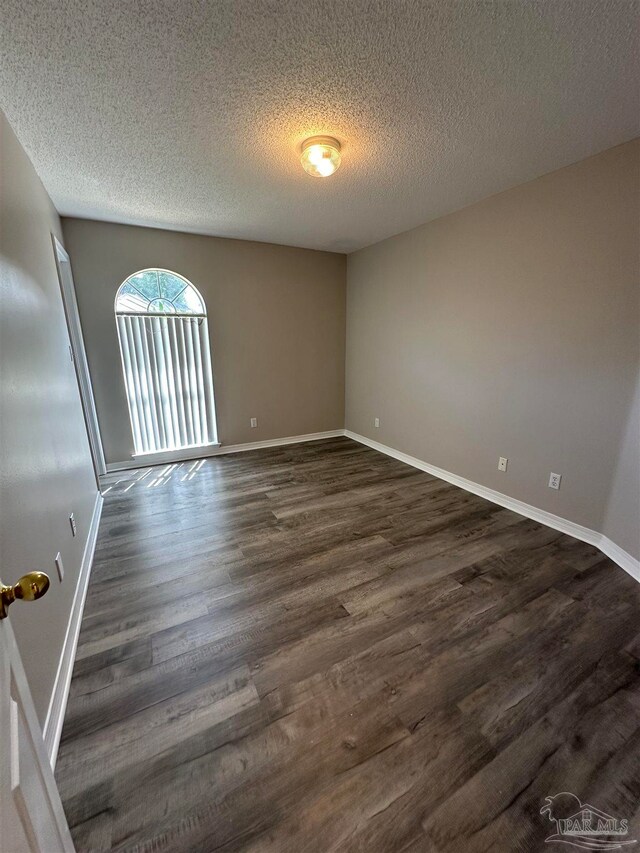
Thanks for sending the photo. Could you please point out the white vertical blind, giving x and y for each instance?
(167, 372)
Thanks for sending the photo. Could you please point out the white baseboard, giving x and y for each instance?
(216, 450)
(619, 556)
(585, 534)
(58, 704)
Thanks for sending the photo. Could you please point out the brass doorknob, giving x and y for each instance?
(29, 588)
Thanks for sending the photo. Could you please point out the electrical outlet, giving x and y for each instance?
(72, 522)
(502, 463)
(59, 566)
(376, 422)
(554, 481)
(254, 422)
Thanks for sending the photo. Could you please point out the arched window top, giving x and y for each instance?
(158, 291)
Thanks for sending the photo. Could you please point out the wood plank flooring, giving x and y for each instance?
(318, 648)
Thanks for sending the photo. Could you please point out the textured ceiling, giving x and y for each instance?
(189, 114)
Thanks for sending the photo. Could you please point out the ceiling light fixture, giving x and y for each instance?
(320, 156)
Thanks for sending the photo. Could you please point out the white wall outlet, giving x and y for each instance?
(72, 522)
(554, 481)
(254, 422)
(376, 422)
(502, 463)
(59, 566)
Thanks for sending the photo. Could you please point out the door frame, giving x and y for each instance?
(79, 358)
(31, 813)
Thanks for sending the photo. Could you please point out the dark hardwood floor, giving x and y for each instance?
(317, 648)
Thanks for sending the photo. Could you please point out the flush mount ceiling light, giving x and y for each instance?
(320, 156)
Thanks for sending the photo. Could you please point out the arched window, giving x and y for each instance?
(166, 361)
(158, 292)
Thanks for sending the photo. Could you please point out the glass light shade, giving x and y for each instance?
(320, 156)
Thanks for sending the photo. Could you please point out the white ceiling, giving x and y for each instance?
(188, 114)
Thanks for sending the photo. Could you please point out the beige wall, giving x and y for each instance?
(276, 321)
(510, 328)
(45, 466)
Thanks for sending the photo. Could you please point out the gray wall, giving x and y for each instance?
(45, 466)
(276, 321)
(510, 328)
(622, 522)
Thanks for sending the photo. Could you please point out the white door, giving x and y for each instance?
(31, 814)
(79, 357)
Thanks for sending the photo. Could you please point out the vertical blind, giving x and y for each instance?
(167, 371)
